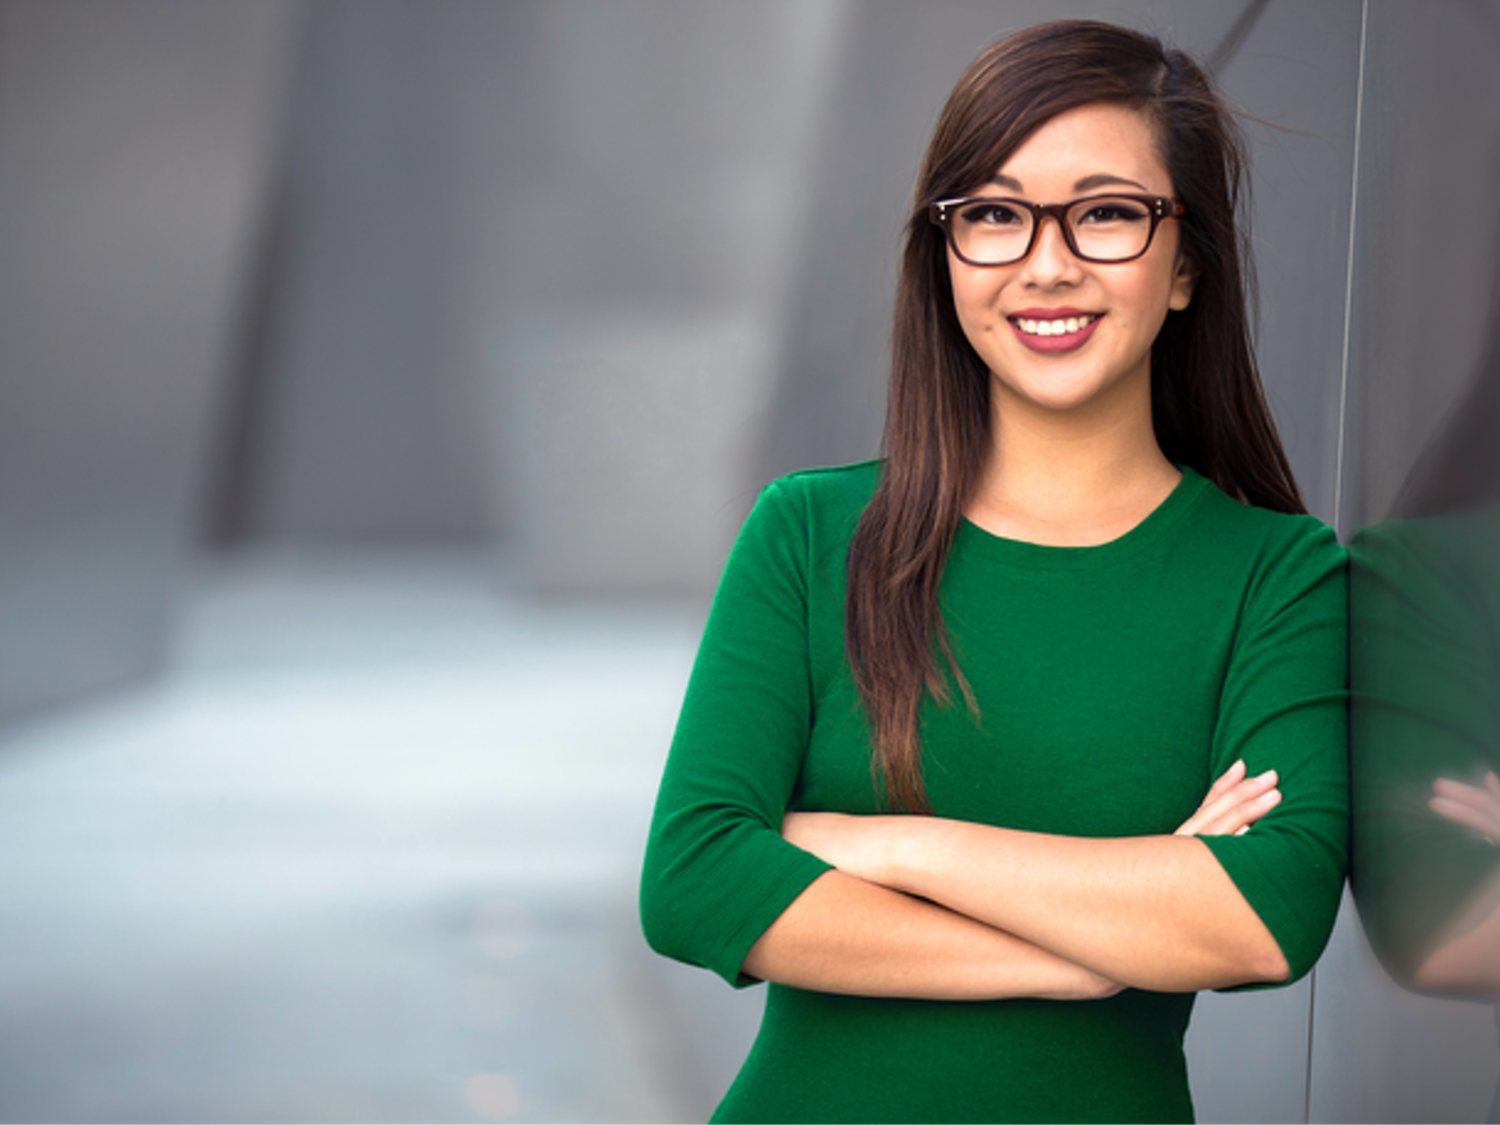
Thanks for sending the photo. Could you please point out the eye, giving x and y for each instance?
(1102, 211)
(992, 214)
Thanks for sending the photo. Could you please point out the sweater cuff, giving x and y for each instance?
(771, 902)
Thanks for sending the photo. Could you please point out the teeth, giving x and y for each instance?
(1054, 327)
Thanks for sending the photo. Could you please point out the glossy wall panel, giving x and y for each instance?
(1405, 1026)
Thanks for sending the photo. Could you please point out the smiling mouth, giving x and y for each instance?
(1063, 326)
(1053, 336)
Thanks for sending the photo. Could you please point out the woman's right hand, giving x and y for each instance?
(1233, 804)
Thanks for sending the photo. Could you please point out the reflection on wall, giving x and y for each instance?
(1425, 719)
(1425, 660)
(1409, 998)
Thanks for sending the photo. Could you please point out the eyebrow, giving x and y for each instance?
(1099, 179)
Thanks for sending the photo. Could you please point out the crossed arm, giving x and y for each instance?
(921, 907)
(943, 909)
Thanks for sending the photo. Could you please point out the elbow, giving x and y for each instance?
(1270, 966)
(658, 912)
(1260, 959)
(672, 918)
(1242, 963)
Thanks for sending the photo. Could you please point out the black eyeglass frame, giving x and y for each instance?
(1159, 207)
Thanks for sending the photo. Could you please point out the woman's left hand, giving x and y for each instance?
(856, 845)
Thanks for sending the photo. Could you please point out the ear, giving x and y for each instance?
(1184, 277)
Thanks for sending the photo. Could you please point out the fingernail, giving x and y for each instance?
(1269, 775)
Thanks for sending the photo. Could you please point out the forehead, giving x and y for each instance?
(1099, 139)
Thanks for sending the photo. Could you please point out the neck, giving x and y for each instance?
(1073, 468)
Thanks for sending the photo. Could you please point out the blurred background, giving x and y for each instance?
(382, 383)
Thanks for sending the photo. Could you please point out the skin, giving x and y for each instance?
(929, 907)
(1074, 460)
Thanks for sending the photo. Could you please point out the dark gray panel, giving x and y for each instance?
(649, 240)
(133, 152)
(367, 386)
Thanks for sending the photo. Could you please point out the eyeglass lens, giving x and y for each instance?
(994, 232)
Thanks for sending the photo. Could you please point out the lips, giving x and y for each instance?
(1054, 330)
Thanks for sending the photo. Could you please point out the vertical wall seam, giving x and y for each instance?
(1343, 407)
(1342, 430)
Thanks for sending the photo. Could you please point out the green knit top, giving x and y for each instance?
(1114, 682)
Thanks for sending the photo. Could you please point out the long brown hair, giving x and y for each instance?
(1207, 407)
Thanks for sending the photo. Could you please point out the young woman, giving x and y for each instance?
(1000, 746)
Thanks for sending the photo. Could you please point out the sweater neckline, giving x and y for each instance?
(1047, 556)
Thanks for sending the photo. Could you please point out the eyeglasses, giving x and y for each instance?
(989, 230)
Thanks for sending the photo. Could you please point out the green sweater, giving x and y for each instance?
(1115, 682)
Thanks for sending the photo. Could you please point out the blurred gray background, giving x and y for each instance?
(381, 385)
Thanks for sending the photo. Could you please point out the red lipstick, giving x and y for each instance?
(1050, 314)
(1062, 342)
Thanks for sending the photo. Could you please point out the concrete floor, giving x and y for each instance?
(367, 852)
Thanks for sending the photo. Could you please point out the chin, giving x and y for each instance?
(1052, 398)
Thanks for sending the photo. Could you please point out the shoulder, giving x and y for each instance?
(809, 509)
(1281, 558)
(826, 495)
(818, 508)
(1266, 536)
(825, 486)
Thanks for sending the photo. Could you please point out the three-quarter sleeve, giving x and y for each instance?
(1284, 706)
(717, 872)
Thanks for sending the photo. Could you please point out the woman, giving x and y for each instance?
(1078, 588)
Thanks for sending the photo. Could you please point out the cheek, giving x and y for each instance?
(974, 298)
(1146, 294)
(972, 318)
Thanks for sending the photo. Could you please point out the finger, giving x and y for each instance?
(1225, 781)
(1214, 807)
(1492, 783)
(1230, 820)
(1246, 791)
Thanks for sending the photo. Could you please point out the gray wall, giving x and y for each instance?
(135, 145)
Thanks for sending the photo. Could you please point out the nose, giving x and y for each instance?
(1050, 261)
